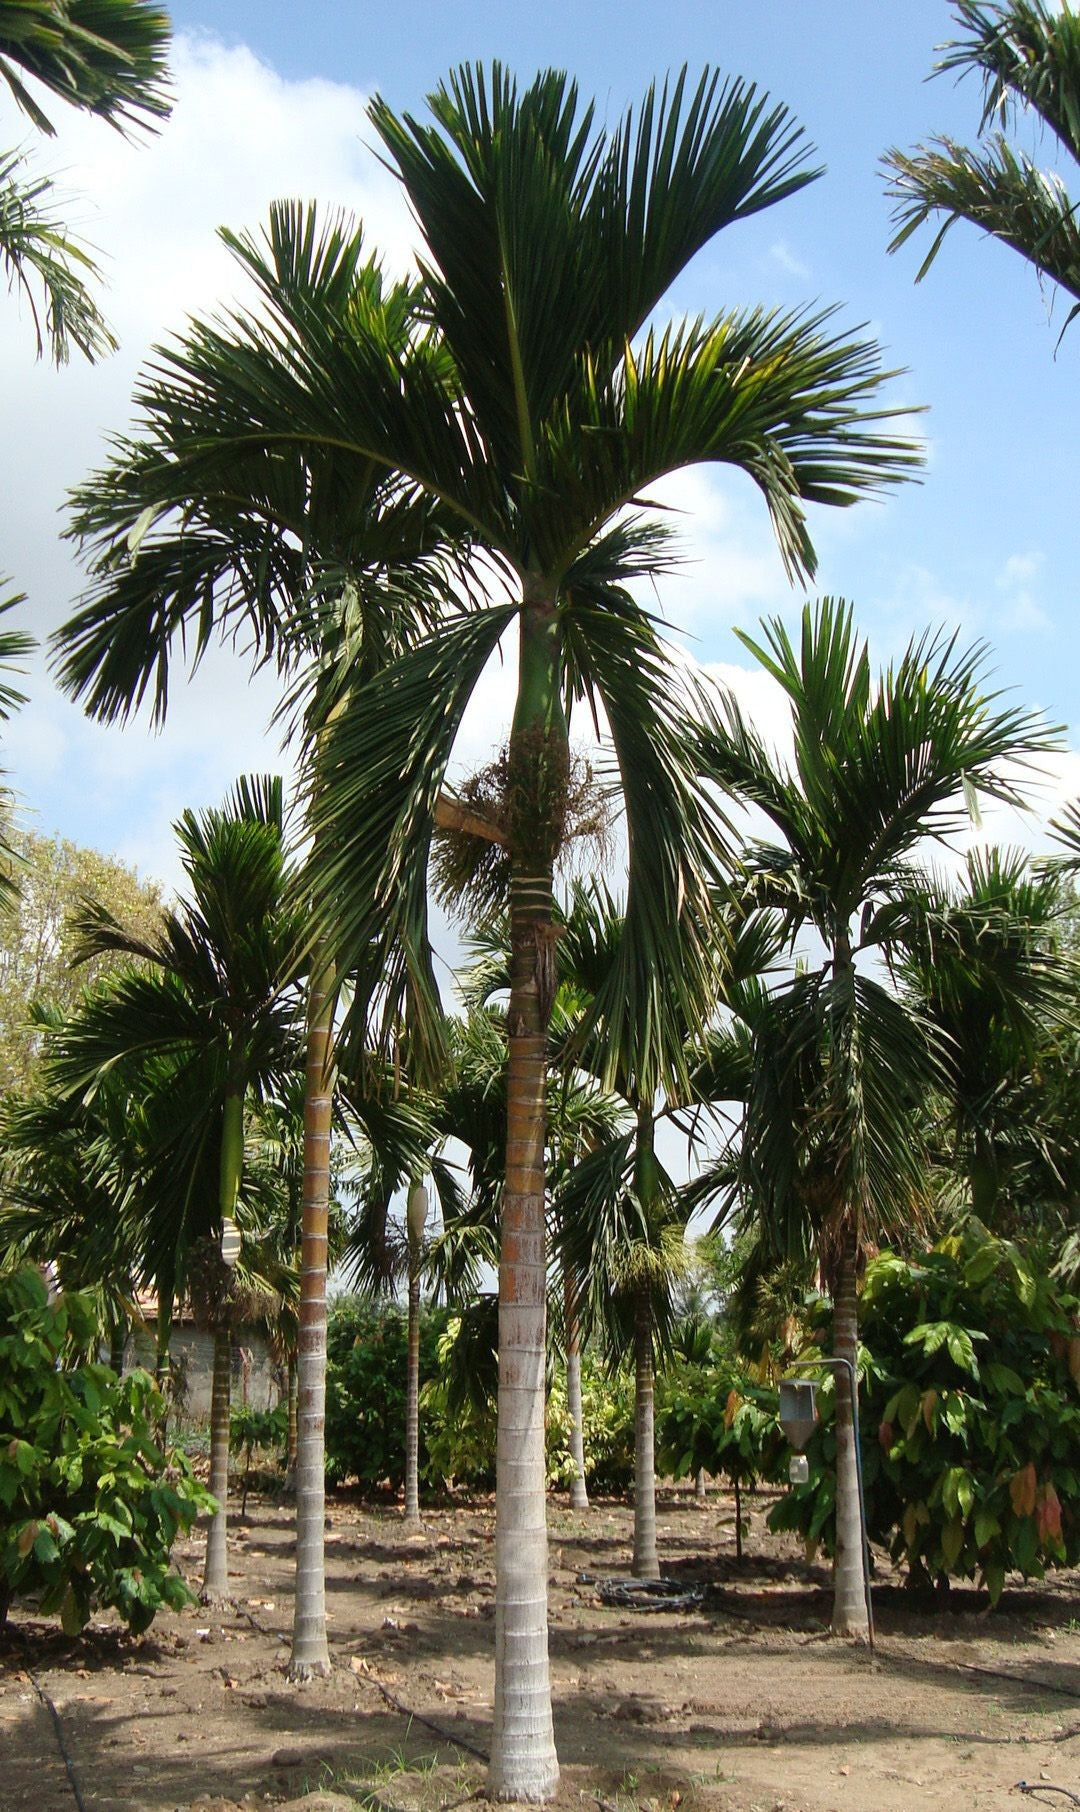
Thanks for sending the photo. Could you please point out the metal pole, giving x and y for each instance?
(807, 1365)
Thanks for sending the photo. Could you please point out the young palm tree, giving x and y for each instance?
(106, 57)
(830, 1140)
(218, 999)
(537, 417)
(1027, 53)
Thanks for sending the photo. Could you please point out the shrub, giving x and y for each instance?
(970, 1404)
(90, 1503)
(717, 1417)
(365, 1388)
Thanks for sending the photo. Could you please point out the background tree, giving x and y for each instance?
(56, 880)
(1027, 55)
(988, 962)
(831, 1139)
(219, 999)
(106, 57)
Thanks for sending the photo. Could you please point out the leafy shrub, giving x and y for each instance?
(717, 1417)
(365, 1402)
(266, 1429)
(607, 1415)
(970, 1416)
(90, 1503)
(366, 1346)
(258, 1428)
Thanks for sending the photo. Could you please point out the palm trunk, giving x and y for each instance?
(646, 1187)
(216, 1571)
(117, 1343)
(166, 1289)
(290, 1426)
(524, 1765)
(646, 1562)
(701, 1485)
(310, 1654)
(412, 1393)
(849, 1616)
(579, 1494)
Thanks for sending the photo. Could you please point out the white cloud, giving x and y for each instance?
(781, 254)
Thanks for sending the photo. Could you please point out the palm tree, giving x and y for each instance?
(1027, 54)
(536, 417)
(328, 563)
(987, 962)
(217, 999)
(830, 1142)
(106, 57)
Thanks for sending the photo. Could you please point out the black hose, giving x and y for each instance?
(73, 1779)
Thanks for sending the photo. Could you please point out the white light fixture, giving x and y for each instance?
(230, 1243)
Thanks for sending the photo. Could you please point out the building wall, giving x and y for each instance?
(255, 1381)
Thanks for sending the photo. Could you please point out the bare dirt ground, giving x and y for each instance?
(741, 1705)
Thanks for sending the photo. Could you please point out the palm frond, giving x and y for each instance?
(45, 264)
(104, 56)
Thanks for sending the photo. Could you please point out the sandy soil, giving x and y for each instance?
(741, 1705)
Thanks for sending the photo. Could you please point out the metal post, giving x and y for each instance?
(831, 1364)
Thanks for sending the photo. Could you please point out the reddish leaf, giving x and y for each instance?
(1022, 1489)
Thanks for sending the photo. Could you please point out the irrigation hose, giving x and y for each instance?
(73, 1779)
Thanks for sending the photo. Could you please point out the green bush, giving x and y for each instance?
(970, 1417)
(365, 1389)
(365, 1402)
(90, 1503)
(717, 1416)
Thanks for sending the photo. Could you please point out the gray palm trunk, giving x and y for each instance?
(310, 1651)
(646, 1561)
(849, 1616)
(524, 1765)
(215, 1587)
(579, 1493)
(216, 1572)
(290, 1426)
(412, 1393)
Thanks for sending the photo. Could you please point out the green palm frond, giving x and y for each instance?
(831, 1127)
(1027, 54)
(999, 189)
(45, 264)
(319, 558)
(664, 975)
(879, 766)
(104, 56)
(375, 786)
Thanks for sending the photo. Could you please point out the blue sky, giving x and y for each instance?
(271, 101)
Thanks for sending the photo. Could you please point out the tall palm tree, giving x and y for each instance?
(218, 998)
(106, 57)
(1027, 54)
(536, 417)
(830, 1142)
(329, 563)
